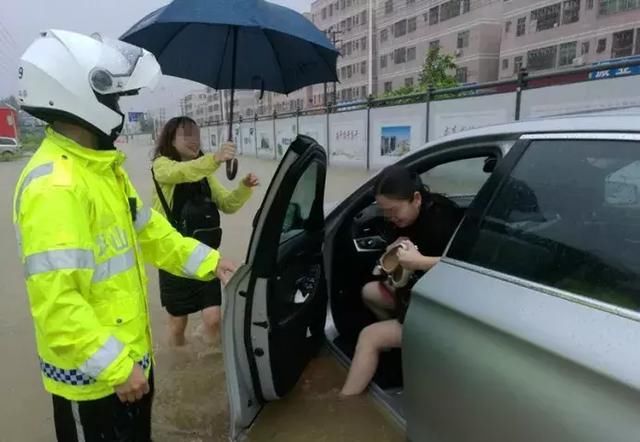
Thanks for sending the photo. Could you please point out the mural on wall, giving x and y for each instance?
(248, 140)
(617, 95)
(395, 132)
(286, 131)
(264, 130)
(456, 122)
(315, 126)
(395, 141)
(348, 141)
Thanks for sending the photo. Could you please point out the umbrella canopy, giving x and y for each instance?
(237, 44)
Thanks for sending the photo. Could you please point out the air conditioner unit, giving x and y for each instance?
(578, 61)
(458, 52)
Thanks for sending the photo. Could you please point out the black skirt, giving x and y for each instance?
(183, 296)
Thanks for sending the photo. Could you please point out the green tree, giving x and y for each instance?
(11, 101)
(438, 71)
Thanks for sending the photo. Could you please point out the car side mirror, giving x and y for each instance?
(621, 194)
(490, 164)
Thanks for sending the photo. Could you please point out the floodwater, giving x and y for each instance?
(191, 402)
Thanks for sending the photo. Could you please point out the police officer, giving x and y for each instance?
(85, 235)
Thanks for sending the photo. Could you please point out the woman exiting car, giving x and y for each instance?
(188, 194)
(422, 224)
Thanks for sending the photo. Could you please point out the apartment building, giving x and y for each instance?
(547, 36)
(406, 30)
(346, 22)
(202, 105)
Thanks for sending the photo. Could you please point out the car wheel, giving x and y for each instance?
(6, 156)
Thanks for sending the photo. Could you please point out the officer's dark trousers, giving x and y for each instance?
(103, 420)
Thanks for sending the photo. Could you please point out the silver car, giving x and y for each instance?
(527, 330)
(9, 148)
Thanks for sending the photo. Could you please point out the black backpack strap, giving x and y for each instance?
(163, 201)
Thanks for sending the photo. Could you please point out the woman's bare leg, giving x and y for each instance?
(211, 319)
(177, 326)
(381, 304)
(372, 340)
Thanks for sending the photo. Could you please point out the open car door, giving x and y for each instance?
(276, 304)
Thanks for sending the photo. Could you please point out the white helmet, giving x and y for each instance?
(78, 78)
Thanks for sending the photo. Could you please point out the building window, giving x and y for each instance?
(408, 82)
(411, 52)
(324, 13)
(434, 44)
(567, 53)
(400, 55)
(388, 86)
(609, 7)
(570, 11)
(507, 27)
(383, 61)
(363, 91)
(547, 17)
(542, 59)
(602, 45)
(461, 75)
(434, 15)
(349, 71)
(363, 44)
(463, 39)
(522, 26)
(622, 44)
(400, 28)
(637, 48)
(466, 6)
(517, 64)
(388, 7)
(449, 10)
(589, 4)
(363, 67)
(505, 64)
(384, 35)
(586, 46)
(412, 24)
(330, 10)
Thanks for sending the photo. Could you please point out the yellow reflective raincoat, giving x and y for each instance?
(168, 173)
(85, 235)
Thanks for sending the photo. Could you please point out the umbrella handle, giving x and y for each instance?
(232, 168)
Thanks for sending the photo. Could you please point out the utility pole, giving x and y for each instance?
(332, 34)
(370, 79)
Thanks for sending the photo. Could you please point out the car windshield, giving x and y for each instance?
(8, 142)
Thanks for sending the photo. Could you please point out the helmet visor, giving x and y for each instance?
(116, 64)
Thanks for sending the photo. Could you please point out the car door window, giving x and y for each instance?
(458, 178)
(568, 216)
(301, 203)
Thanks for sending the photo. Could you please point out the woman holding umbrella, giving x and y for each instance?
(189, 196)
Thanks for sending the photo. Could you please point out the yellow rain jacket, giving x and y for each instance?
(168, 173)
(85, 236)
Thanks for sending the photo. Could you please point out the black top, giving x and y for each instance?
(438, 219)
(184, 192)
(434, 227)
(174, 287)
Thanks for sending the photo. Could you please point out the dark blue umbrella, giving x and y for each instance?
(237, 44)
